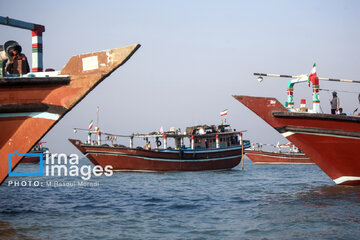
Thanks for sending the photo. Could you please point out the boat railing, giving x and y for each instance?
(279, 148)
(217, 139)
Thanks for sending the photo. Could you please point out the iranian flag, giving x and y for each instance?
(312, 74)
(224, 112)
(91, 124)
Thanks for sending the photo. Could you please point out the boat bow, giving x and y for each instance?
(30, 107)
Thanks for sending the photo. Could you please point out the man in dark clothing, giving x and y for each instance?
(335, 103)
(18, 64)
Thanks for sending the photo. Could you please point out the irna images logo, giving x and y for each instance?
(61, 165)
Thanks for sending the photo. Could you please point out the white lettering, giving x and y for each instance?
(74, 159)
(86, 175)
(108, 170)
(60, 156)
(98, 171)
(58, 168)
(53, 158)
(47, 157)
(74, 171)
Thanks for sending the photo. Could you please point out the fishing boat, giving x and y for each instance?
(331, 141)
(31, 104)
(211, 147)
(291, 155)
(39, 148)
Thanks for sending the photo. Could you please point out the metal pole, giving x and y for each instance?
(165, 141)
(97, 116)
(217, 141)
(304, 75)
(242, 151)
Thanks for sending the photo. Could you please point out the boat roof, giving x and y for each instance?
(201, 131)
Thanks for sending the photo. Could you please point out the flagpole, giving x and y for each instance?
(97, 116)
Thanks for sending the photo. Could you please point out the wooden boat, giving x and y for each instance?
(39, 148)
(31, 104)
(211, 148)
(258, 156)
(331, 141)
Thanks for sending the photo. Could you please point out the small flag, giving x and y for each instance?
(97, 109)
(224, 112)
(312, 74)
(91, 124)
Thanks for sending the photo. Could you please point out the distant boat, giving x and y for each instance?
(211, 148)
(31, 104)
(39, 148)
(259, 156)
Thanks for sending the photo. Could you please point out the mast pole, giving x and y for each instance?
(242, 151)
(97, 116)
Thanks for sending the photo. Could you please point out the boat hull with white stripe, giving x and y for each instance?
(138, 159)
(331, 141)
(264, 157)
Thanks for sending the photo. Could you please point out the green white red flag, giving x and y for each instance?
(91, 124)
(224, 112)
(312, 74)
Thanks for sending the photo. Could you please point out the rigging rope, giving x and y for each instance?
(329, 90)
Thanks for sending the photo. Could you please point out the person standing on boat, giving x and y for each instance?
(335, 103)
(18, 64)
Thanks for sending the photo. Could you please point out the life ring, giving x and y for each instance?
(158, 143)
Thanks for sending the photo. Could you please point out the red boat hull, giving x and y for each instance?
(261, 157)
(31, 106)
(126, 159)
(30, 160)
(331, 141)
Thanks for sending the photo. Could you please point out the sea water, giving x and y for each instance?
(259, 202)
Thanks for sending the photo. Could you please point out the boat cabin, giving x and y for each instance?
(214, 136)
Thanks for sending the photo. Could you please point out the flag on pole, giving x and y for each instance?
(224, 112)
(91, 124)
(312, 74)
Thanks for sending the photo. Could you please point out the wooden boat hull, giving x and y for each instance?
(30, 107)
(30, 160)
(331, 141)
(261, 157)
(126, 159)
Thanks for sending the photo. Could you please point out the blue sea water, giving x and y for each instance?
(260, 202)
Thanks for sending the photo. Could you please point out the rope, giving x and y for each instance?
(329, 90)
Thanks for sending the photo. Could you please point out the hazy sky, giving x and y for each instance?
(194, 56)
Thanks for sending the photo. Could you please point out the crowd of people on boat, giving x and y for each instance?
(335, 105)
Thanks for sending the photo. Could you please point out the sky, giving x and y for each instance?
(194, 56)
